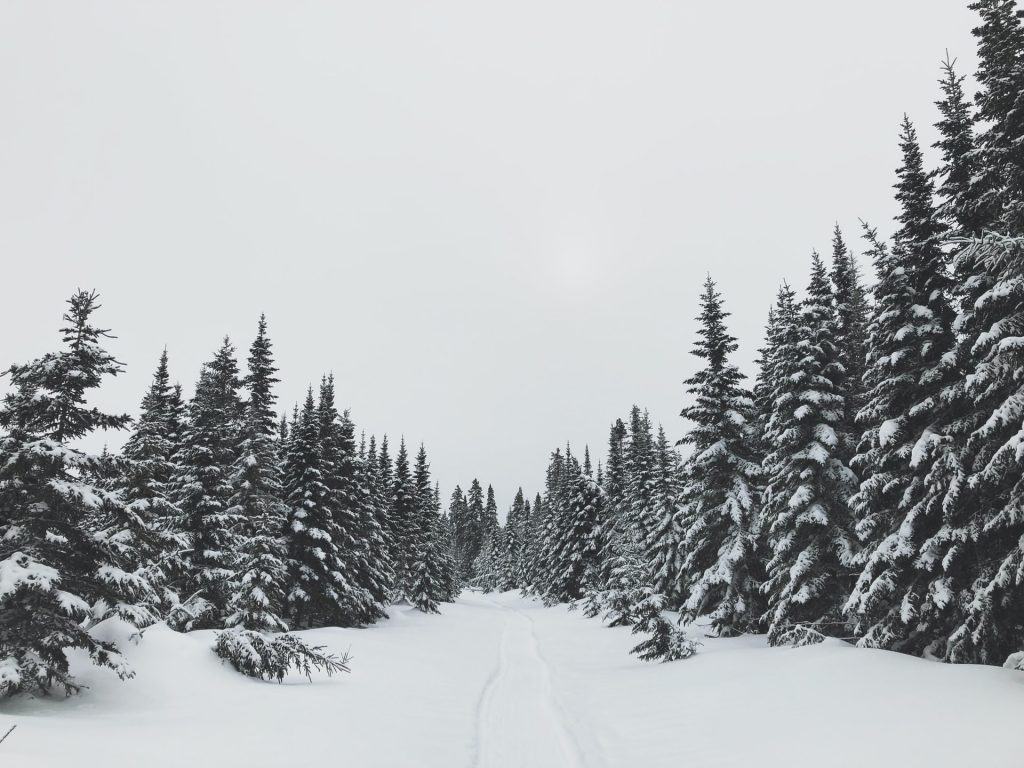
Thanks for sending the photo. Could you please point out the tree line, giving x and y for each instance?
(869, 484)
(215, 514)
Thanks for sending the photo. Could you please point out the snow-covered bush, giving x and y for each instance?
(799, 635)
(667, 640)
(271, 657)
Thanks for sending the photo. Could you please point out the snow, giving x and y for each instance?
(499, 681)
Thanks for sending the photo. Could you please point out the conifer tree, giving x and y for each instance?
(663, 536)
(50, 565)
(510, 575)
(956, 144)
(257, 590)
(143, 536)
(406, 521)
(355, 530)
(721, 570)
(998, 181)
(909, 338)
(851, 313)
(806, 514)
(201, 487)
(425, 572)
(318, 590)
(471, 536)
(571, 547)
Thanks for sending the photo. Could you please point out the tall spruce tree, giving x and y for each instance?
(806, 514)
(146, 538)
(425, 585)
(51, 569)
(998, 181)
(404, 515)
(909, 338)
(257, 589)
(202, 489)
(318, 591)
(721, 570)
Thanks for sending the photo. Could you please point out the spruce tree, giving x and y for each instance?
(956, 144)
(318, 591)
(147, 538)
(404, 515)
(572, 556)
(998, 181)
(909, 338)
(471, 536)
(425, 573)
(356, 533)
(257, 589)
(663, 535)
(806, 514)
(51, 569)
(202, 490)
(721, 570)
(851, 313)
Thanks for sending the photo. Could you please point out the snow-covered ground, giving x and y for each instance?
(501, 681)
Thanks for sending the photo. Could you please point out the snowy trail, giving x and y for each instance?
(520, 722)
(500, 681)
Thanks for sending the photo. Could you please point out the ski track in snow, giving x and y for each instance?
(520, 722)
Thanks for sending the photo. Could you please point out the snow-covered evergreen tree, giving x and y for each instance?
(51, 569)
(257, 599)
(318, 592)
(405, 518)
(909, 337)
(806, 514)
(425, 586)
(356, 533)
(721, 570)
(144, 535)
(202, 490)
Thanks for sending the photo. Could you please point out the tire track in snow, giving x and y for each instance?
(520, 722)
(569, 737)
(484, 703)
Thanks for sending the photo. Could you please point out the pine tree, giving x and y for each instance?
(998, 182)
(511, 565)
(317, 591)
(909, 338)
(471, 537)
(663, 537)
(425, 573)
(356, 533)
(956, 144)
(201, 486)
(50, 565)
(405, 519)
(257, 590)
(381, 549)
(721, 570)
(851, 312)
(610, 532)
(143, 536)
(572, 557)
(806, 514)
(487, 565)
(448, 580)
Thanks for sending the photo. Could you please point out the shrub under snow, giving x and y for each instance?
(271, 657)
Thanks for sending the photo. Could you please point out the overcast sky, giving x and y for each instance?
(490, 221)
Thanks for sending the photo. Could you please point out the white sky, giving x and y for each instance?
(491, 221)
